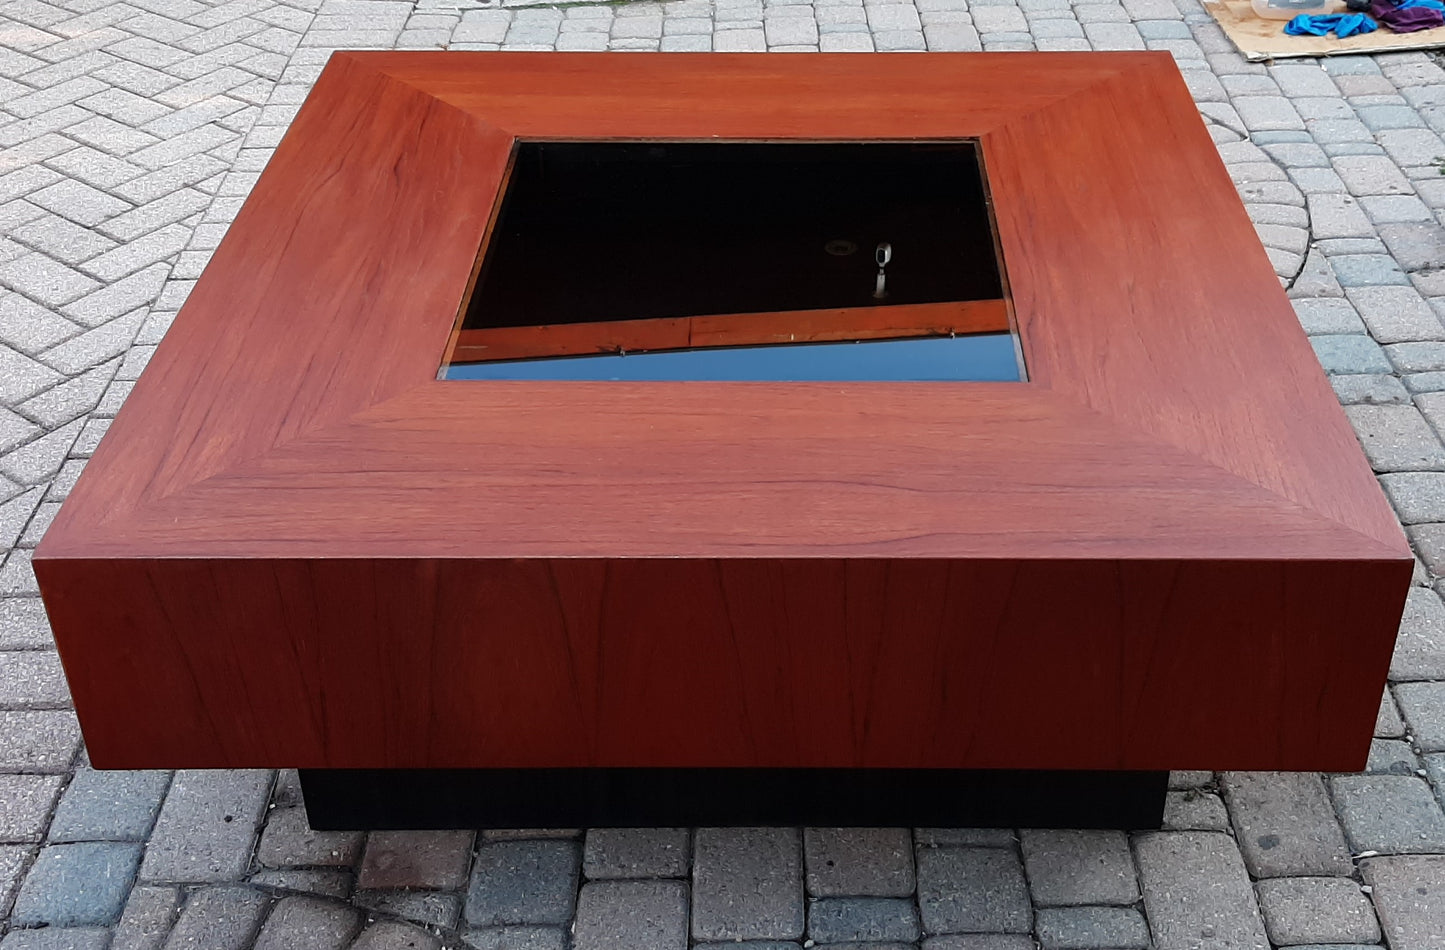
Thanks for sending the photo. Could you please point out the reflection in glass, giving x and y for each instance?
(739, 261)
(985, 357)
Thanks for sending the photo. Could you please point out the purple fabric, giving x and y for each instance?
(1408, 20)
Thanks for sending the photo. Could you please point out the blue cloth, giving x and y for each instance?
(1341, 24)
(1428, 4)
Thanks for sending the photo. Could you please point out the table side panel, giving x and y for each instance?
(740, 663)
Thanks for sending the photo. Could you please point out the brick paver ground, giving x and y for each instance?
(131, 131)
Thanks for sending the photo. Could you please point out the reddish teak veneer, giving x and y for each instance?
(297, 547)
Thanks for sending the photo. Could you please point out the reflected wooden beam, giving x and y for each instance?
(732, 329)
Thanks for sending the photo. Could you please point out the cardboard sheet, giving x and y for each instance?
(1261, 39)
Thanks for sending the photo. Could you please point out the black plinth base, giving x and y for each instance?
(357, 799)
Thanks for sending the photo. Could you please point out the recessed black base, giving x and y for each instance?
(355, 799)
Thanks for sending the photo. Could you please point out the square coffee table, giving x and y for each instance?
(590, 438)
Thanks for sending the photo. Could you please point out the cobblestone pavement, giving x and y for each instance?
(129, 134)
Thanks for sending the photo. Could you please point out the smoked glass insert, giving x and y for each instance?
(739, 261)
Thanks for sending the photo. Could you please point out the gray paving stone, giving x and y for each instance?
(1181, 780)
(1420, 357)
(1250, 84)
(898, 41)
(528, 938)
(780, 31)
(1303, 910)
(1418, 497)
(38, 740)
(1388, 724)
(25, 803)
(79, 202)
(632, 915)
(1088, 928)
(325, 883)
(288, 841)
(1429, 542)
(17, 577)
(1371, 175)
(1420, 646)
(13, 860)
(432, 908)
(1425, 382)
(1411, 146)
(1409, 896)
(95, 347)
(1393, 757)
(643, 852)
(147, 918)
(64, 481)
(1390, 814)
(393, 935)
(1339, 247)
(39, 459)
(1281, 214)
(1285, 824)
(1423, 706)
(523, 882)
(1395, 209)
(865, 919)
(432, 859)
(1367, 270)
(1337, 216)
(1265, 192)
(1350, 354)
(968, 890)
(941, 37)
(16, 513)
(1396, 438)
(979, 942)
(1382, 117)
(62, 239)
(207, 826)
(1396, 314)
(57, 938)
(29, 327)
(854, 862)
(1079, 867)
(308, 922)
(1333, 108)
(747, 884)
(70, 399)
(1417, 247)
(1196, 889)
(45, 280)
(1304, 80)
(1316, 278)
(1294, 155)
(995, 19)
(1317, 181)
(32, 679)
(1193, 810)
(76, 885)
(964, 837)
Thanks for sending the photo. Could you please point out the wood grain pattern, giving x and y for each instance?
(732, 329)
(1163, 551)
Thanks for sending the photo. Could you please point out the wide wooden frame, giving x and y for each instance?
(297, 547)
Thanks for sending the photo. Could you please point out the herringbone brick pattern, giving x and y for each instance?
(118, 125)
(131, 132)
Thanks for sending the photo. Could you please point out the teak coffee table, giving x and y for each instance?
(543, 446)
